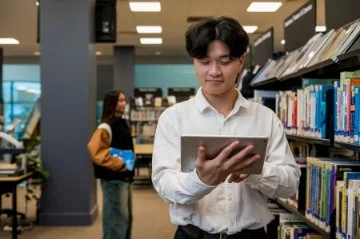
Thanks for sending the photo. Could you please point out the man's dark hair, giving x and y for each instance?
(109, 105)
(225, 29)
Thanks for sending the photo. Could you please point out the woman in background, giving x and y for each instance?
(115, 178)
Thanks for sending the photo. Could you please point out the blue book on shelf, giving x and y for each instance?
(336, 105)
(357, 115)
(127, 155)
(322, 106)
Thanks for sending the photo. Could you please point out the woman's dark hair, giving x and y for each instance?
(225, 29)
(109, 105)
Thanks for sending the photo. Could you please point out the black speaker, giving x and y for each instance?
(105, 21)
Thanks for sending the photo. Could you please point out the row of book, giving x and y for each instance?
(348, 206)
(292, 227)
(304, 112)
(145, 114)
(346, 114)
(146, 129)
(322, 203)
(319, 48)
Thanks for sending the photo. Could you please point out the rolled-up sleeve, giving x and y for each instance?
(280, 176)
(173, 185)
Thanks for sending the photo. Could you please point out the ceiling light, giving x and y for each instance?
(37, 3)
(9, 41)
(155, 40)
(320, 28)
(250, 29)
(264, 6)
(157, 53)
(98, 53)
(145, 6)
(37, 53)
(149, 29)
(282, 41)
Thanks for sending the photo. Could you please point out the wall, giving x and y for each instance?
(146, 75)
(21, 72)
(165, 76)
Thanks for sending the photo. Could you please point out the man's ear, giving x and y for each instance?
(241, 62)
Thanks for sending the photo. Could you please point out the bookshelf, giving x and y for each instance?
(309, 140)
(301, 214)
(328, 68)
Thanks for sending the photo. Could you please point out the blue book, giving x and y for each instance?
(127, 155)
(357, 115)
(336, 116)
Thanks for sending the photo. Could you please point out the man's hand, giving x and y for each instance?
(235, 178)
(215, 171)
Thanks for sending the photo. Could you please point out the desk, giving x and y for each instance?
(143, 149)
(13, 182)
(143, 154)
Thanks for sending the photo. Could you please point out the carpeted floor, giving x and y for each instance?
(151, 220)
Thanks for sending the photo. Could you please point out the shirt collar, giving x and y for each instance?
(202, 103)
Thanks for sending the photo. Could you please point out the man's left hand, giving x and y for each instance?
(236, 178)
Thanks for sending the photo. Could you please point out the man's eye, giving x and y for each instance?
(225, 62)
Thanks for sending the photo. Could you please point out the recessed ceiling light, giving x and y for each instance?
(282, 41)
(37, 3)
(250, 29)
(264, 6)
(320, 28)
(37, 53)
(149, 29)
(9, 41)
(157, 53)
(153, 40)
(98, 53)
(145, 6)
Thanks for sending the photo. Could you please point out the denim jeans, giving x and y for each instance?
(117, 209)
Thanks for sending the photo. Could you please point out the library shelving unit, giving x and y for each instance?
(301, 215)
(271, 77)
(143, 121)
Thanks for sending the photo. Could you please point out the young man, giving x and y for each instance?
(215, 200)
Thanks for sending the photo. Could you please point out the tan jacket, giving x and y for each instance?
(99, 149)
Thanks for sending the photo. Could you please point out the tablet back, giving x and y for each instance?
(214, 145)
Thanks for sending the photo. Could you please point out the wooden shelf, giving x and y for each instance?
(265, 82)
(349, 55)
(301, 215)
(11, 151)
(309, 139)
(349, 146)
(309, 70)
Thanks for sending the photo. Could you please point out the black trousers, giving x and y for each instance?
(192, 232)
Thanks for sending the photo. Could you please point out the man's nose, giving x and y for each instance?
(214, 69)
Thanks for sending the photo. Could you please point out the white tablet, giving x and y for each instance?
(215, 143)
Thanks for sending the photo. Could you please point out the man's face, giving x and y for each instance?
(121, 104)
(217, 72)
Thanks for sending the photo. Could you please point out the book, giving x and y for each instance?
(127, 155)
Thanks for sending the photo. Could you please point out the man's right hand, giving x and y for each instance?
(215, 171)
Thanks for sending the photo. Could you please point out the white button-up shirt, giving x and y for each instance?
(228, 207)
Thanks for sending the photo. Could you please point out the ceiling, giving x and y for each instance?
(18, 19)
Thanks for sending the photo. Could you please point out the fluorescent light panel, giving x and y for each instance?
(320, 28)
(250, 29)
(145, 6)
(9, 41)
(149, 29)
(37, 53)
(264, 6)
(154, 40)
